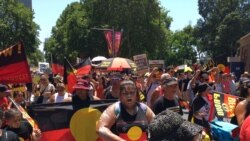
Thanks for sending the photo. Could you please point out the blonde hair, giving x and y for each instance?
(60, 85)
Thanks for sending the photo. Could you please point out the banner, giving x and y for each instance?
(224, 104)
(118, 36)
(141, 62)
(113, 50)
(109, 39)
(210, 64)
(58, 122)
(14, 67)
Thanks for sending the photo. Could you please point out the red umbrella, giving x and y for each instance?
(117, 63)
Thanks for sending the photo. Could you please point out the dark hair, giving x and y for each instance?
(126, 82)
(169, 68)
(202, 74)
(11, 113)
(244, 89)
(202, 88)
(170, 126)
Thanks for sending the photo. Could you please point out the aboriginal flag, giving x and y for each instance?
(69, 76)
(14, 67)
(57, 66)
(58, 122)
(83, 67)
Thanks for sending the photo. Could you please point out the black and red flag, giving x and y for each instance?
(58, 122)
(69, 75)
(14, 67)
(83, 67)
(57, 66)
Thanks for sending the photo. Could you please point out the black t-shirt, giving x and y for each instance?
(24, 131)
(77, 103)
(162, 104)
(8, 136)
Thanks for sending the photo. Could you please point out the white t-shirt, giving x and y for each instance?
(59, 98)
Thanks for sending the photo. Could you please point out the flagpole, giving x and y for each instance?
(24, 113)
(70, 65)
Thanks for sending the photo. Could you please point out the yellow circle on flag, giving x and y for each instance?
(221, 67)
(134, 133)
(83, 124)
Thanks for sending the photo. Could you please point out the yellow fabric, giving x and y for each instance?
(83, 124)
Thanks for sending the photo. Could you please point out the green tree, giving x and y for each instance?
(16, 24)
(145, 25)
(221, 26)
(145, 28)
(35, 57)
(69, 34)
(182, 46)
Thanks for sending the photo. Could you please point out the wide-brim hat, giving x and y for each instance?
(59, 78)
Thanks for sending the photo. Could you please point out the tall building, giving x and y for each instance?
(27, 3)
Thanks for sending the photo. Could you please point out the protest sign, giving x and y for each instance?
(141, 63)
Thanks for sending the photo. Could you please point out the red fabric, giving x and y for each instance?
(14, 67)
(4, 103)
(245, 130)
(71, 82)
(227, 69)
(108, 36)
(84, 70)
(57, 135)
(118, 36)
(212, 110)
(57, 69)
(100, 91)
(15, 73)
(142, 138)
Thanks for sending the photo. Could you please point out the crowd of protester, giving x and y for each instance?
(145, 101)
